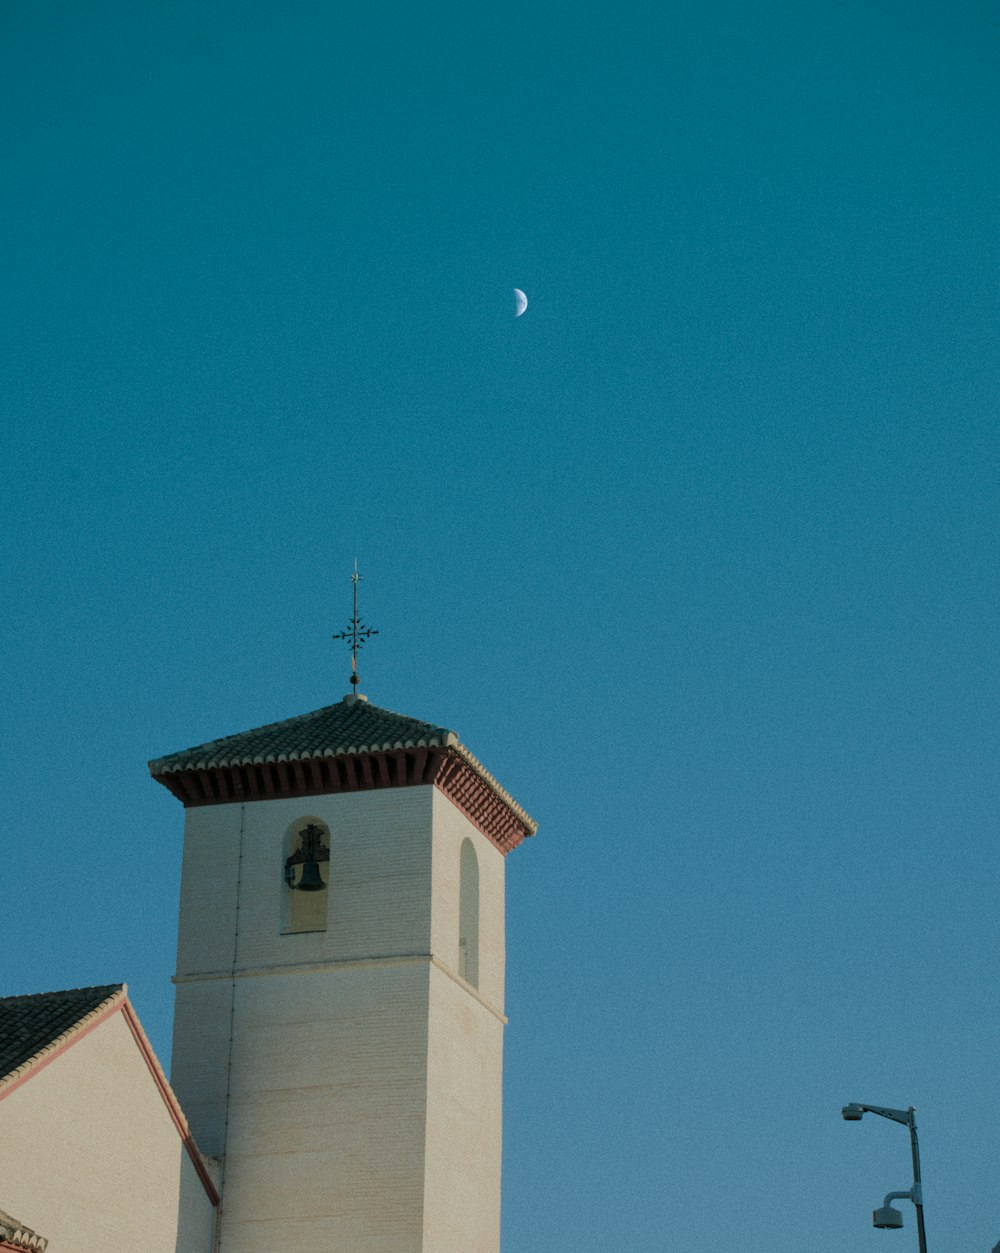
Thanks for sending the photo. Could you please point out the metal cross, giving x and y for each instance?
(311, 848)
(357, 633)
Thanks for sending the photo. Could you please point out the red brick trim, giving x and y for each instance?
(169, 1100)
(445, 768)
(470, 793)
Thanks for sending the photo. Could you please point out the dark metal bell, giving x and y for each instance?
(310, 880)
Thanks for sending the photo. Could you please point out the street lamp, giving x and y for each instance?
(887, 1216)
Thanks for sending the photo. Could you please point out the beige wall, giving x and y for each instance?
(90, 1156)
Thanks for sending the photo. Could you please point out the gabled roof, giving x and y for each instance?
(36, 1029)
(351, 726)
(15, 1235)
(347, 747)
(33, 1025)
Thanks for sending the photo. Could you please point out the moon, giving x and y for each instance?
(521, 301)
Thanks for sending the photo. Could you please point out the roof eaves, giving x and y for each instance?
(157, 768)
(530, 824)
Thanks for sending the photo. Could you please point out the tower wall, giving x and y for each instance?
(350, 1077)
(327, 1111)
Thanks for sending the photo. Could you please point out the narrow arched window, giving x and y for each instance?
(468, 915)
(305, 872)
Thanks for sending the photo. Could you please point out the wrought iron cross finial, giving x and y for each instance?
(357, 632)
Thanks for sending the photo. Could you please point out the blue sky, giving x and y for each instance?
(699, 556)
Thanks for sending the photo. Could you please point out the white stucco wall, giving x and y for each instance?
(90, 1157)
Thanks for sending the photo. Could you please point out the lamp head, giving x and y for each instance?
(852, 1113)
(887, 1218)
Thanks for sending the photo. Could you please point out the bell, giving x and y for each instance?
(310, 879)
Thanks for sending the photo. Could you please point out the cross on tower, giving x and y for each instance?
(357, 633)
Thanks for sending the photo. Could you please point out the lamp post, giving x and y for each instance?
(887, 1216)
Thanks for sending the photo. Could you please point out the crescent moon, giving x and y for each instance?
(521, 302)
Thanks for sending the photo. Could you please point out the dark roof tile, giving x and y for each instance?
(350, 727)
(29, 1024)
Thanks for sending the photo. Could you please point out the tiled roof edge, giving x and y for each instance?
(530, 824)
(15, 1076)
(15, 1234)
(267, 726)
(156, 767)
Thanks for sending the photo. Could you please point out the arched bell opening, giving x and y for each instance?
(305, 870)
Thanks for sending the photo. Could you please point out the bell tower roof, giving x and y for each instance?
(350, 746)
(350, 726)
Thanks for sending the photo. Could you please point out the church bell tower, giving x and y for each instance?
(338, 1035)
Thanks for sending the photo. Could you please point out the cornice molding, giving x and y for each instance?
(450, 769)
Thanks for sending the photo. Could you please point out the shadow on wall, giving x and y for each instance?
(468, 915)
(195, 1211)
